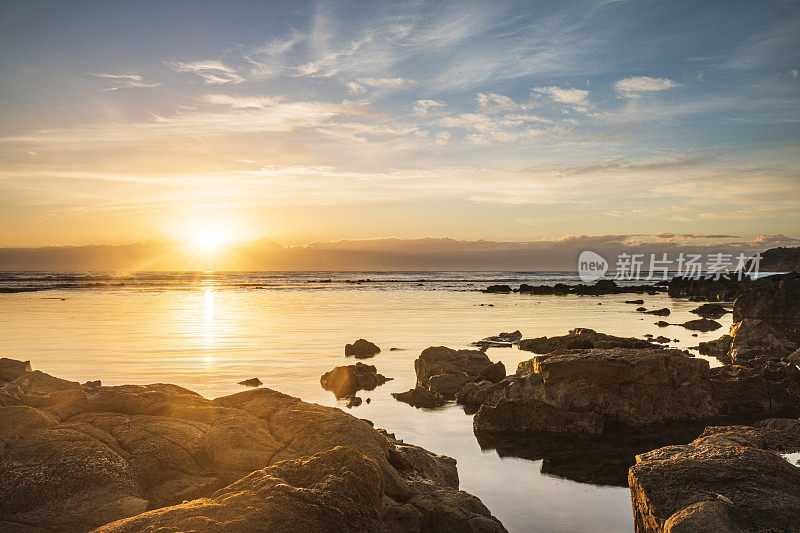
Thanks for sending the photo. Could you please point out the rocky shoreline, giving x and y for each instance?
(80, 457)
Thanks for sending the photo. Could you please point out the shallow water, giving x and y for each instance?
(206, 332)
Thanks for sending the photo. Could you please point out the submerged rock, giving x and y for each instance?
(728, 479)
(252, 382)
(503, 340)
(712, 311)
(362, 348)
(702, 324)
(659, 312)
(582, 338)
(345, 381)
(256, 460)
(635, 302)
(419, 397)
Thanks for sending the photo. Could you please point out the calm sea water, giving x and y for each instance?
(207, 331)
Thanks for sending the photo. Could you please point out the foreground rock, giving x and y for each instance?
(582, 338)
(361, 349)
(588, 391)
(728, 479)
(345, 381)
(601, 287)
(73, 458)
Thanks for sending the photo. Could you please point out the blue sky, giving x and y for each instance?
(302, 122)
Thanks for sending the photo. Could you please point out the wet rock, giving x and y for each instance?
(252, 382)
(702, 324)
(601, 287)
(728, 479)
(533, 416)
(658, 312)
(662, 324)
(712, 311)
(344, 381)
(503, 340)
(661, 339)
(498, 289)
(419, 397)
(362, 348)
(635, 302)
(353, 401)
(641, 309)
(581, 338)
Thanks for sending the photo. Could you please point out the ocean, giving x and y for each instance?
(207, 331)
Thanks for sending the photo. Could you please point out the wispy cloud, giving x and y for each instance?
(428, 108)
(212, 72)
(125, 81)
(384, 83)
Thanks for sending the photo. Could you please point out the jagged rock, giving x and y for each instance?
(728, 479)
(446, 371)
(344, 381)
(73, 458)
(582, 338)
(361, 349)
(658, 312)
(493, 373)
(757, 340)
(252, 382)
(726, 288)
(712, 311)
(774, 300)
(419, 397)
(701, 324)
(11, 369)
(498, 289)
(503, 340)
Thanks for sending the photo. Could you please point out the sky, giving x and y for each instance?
(308, 122)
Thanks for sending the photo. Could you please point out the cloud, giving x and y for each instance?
(390, 83)
(212, 72)
(241, 102)
(125, 81)
(630, 87)
(428, 108)
(495, 103)
(442, 138)
(578, 99)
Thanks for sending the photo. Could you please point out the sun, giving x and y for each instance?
(209, 240)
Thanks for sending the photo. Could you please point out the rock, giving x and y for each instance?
(641, 309)
(743, 393)
(717, 348)
(658, 312)
(353, 401)
(793, 357)
(661, 324)
(445, 371)
(782, 259)
(702, 324)
(344, 381)
(336, 490)
(74, 458)
(774, 300)
(712, 311)
(582, 338)
(532, 416)
(726, 288)
(419, 397)
(754, 340)
(661, 339)
(503, 340)
(361, 349)
(252, 382)
(494, 372)
(635, 302)
(498, 289)
(93, 384)
(600, 287)
(728, 479)
(11, 369)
